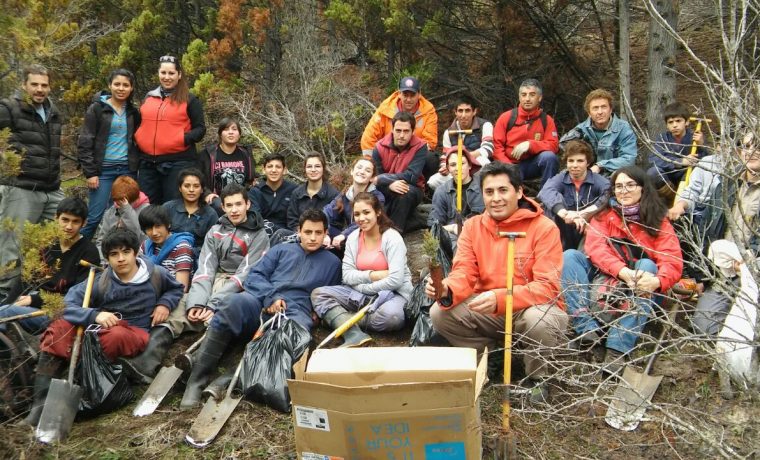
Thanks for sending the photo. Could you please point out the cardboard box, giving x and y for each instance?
(389, 403)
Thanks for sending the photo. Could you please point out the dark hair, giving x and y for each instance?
(181, 93)
(153, 215)
(120, 237)
(652, 209)
(195, 172)
(72, 205)
(383, 221)
(313, 215)
(579, 147)
(465, 99)
(225, 123)
(125, 187)
(126, 74)
(275, 157)
(675, 110)
(35, 69)
(339, 201)
(315, 154)
(233, 189)
(528, 82)
(404, 117)
(497, 168)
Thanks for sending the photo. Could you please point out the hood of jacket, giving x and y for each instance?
(253, 221)
(527, 209)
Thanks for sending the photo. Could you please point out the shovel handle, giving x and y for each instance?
(80, 329)
(33, 314)
(672, 313)
(235, 378)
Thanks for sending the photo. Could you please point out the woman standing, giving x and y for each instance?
(226, 163)
(630, 246)
(189, 213)
(106, 147)
(374, 269)
(339, 212)
(172, 122)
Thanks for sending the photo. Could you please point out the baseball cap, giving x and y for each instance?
(409, 84)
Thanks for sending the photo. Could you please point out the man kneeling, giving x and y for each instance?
(476, 286)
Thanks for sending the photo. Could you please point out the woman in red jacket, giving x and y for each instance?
(630, 248)
(172, 122)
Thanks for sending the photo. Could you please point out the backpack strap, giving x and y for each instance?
(513, 119)
(104, 284)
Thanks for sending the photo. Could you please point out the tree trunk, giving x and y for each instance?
(624, 55)
(661, 85)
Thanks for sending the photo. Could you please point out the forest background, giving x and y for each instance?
(306, 75)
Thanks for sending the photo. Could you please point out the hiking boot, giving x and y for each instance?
(539, 392)
(205, 364)
(614, 361)
(47, 368)
(218, 388)
(353, 337)
(142, 368)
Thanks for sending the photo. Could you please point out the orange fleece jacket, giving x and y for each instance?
(379, 126)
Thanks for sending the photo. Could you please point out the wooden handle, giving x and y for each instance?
(80, 329)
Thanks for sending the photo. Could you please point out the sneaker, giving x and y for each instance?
(614, 361)
(539, 393)
(686, 287)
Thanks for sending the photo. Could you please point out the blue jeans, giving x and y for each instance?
(577, 273)
(239, 313)
(34, 325)
(100, 198)
(159, 180)
(544, 165)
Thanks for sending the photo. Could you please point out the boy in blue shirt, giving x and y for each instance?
(671, 157)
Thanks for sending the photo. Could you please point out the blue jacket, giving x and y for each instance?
(272, 205)
(666, 148)
(343, 223)
(559, 193)
(135, 302)
(444, 208)
(615, 149)
(197, 224)
(288, 272)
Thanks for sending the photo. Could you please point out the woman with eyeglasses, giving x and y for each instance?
(631, 255)
(172, 122)
(316, 193)
(106, 147)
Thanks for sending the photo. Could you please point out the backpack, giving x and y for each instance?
(513, 120)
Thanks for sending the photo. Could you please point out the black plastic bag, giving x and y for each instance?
(268, 364)
(424, 335)
(105, 387)
(419, 301)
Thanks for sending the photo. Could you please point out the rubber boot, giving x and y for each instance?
(208, 356)
(142, 368)
(354, 337)
(47, 368)
(218, 388)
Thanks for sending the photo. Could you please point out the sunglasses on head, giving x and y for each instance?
(167, 58)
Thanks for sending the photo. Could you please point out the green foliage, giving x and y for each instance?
(10, 159)
(430, 247)
(34, 239)
(194, 60)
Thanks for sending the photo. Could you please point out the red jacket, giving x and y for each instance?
(664, 249)
(392, 164)
(528, 127)
(480, 262)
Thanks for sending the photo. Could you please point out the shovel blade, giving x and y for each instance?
(210, 421)
(61, 406)
(158, 389)
(631, 399)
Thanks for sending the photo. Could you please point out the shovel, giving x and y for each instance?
(62, 401)
(346, 326)
(162, 383)
(635, 390)
(460, 145)
(214, 415)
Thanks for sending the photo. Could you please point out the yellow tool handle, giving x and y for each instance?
(505, 409)
(80, 329)
(460, 142)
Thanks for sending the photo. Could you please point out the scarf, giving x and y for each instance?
(629, 213)
(171, 242)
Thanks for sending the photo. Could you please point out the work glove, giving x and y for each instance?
(520, 149)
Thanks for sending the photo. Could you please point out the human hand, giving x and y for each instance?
(107, 319)
(326, 241)
(210, 197)
(123, 203)
(93, 183)
(596, 169)
(377, 275)
(23, 301)
(430, 291)
(338, 240)
(276, 307)
(484, 303)
(646, 283)
(399, 186)
(519, 150)
(160, 313)
(689, 161)
(699, 138)
(199, 313)
(677, 210)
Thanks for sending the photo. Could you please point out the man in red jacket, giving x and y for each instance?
(527, 136)
(476, 285)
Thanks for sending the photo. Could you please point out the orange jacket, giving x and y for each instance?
(480, 263)
(379, 126)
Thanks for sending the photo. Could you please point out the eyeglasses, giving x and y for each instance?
(627, 187)
(167, 58)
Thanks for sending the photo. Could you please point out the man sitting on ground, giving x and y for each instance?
(281, 282)
(471, 312)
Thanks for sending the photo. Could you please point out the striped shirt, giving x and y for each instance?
(180, 259)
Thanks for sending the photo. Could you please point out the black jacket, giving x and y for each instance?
(40, 142)
(300, 201)
(93, 137)
(273, 206)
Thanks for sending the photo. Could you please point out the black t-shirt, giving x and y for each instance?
(230, 168)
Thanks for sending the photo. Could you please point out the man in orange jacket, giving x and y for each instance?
(408, 98)
(477, 282)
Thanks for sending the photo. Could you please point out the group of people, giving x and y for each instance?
(192, 241)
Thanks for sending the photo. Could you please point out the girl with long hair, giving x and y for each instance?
(190, 213)
(374, 270)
